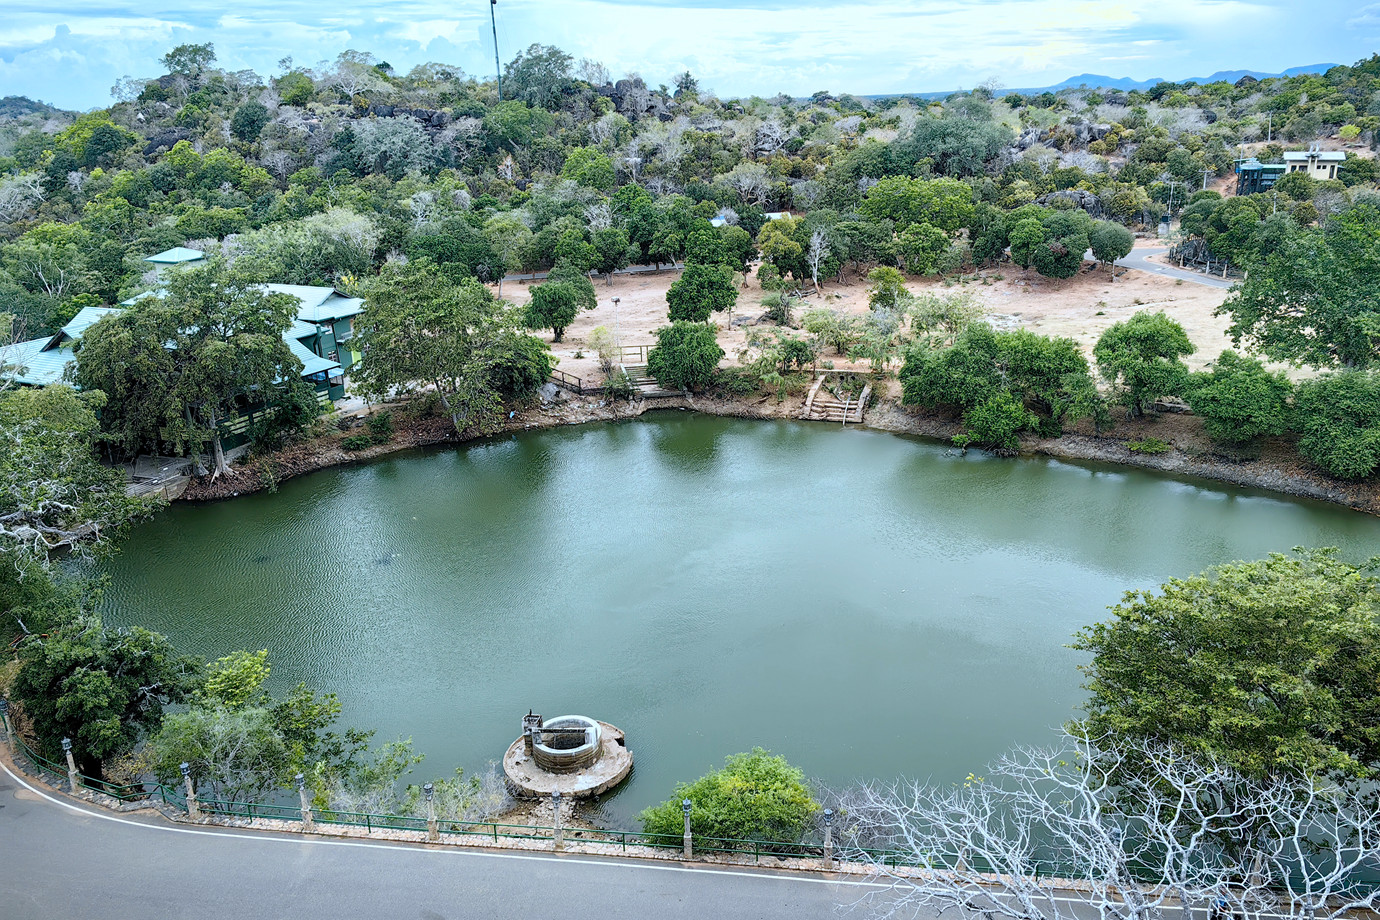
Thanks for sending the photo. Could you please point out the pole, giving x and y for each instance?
(559, 842)
(307, 821)
(687, 840)
(829, 836)
(498, 68)
(73, 783)
(432, 833)
(193, 810)
(5, 722)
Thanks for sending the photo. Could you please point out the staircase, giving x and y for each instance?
(824, 406)
(644, 383)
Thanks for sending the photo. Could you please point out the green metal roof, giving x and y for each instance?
(33, 363)
(319, 304)
(86, 318)
(176, 256)
(312, 363)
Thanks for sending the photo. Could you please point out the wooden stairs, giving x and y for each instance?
(823, 405)
(645, 384)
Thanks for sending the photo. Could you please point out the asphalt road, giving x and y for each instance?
(60, 860)
(1139, 261)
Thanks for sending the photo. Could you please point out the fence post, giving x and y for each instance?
(432, 833)
(193, 810)
(73, 783)
(5, 723)
(559, 842)
(689, 843)
(829, 836)
(308, 822)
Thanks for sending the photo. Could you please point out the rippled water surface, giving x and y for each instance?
(865, 604)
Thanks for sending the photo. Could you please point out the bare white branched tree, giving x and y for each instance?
(1133, 831)
(816, 255)
(19, 194)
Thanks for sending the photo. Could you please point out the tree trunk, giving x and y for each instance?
(610, 277)
(199, 465)
(219, 450)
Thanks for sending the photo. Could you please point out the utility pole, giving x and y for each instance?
(1269, 124)
(498, 68)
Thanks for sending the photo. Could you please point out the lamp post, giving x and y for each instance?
(432, 832)
(617, 341)
(72, 781)
(689, 843)
(829, 836)
(498, 68)
(307, 821)
(193, 810)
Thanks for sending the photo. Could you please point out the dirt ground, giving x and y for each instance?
(1080, 308)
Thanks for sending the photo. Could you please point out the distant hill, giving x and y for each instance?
(1102, 81)
(19, 106)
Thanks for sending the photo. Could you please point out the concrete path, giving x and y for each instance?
(1139, 260)
(63, 859)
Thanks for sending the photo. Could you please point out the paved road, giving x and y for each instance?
(60, 860)
(1138, 259)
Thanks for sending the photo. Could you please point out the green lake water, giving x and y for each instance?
(866, 604)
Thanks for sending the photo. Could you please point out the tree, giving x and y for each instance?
(54, 493)
(1109, 242)
(189, 59)
(554, 305)
(591, 168)
(756, 796)
(1150, 832)
(1338, 420)
(920, 246)
(1239, 401)
(1313, 300)
(1025, 238)
(103, 688)
(614, 251)
(888, 288)
(423, 331)
(1264, 665)
(172, 366)
(815, 254)
(686, 356)
(1141, 355)
(249, 121)
(833, 328)
(539, 76)
(701, 288)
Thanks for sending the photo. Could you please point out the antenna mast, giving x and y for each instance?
(498, 68)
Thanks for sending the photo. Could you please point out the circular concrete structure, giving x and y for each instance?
(576, 764)
(566, 744)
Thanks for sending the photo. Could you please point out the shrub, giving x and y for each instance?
(1338, 420)
(756, 796)
(380, 426)
(996, 421)
(1148, 446)
(1240, 401)
(686, 356)
(357, 442)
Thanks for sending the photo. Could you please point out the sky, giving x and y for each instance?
(71, 52)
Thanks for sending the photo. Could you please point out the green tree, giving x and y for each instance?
(591, 168)
(888, 288)
(1269, 665)
(171, 366)
(756, 796)
(539, 76)
(996, 421)
(920, 246)
(54, 493)
(1239, 401)
(424, 331)
(249, 120)
(1110, 241)
(1338, 420)
(1026, 237)
(1314, 298)
(686, 356)
(614, 251)
(1141, 357)
(554, 305)
(701, 288)
(103, 688)
(189, 59)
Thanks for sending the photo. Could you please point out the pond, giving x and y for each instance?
(866, 604)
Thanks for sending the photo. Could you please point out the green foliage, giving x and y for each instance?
(1110, 241)
(1269, 665)
(1148, 446)
(1026, 237)
(54, 493)
(686, 356)
(591, 168)
(996, 421)
(226, 338)
(701, 288)
(756, 796)
(103, 688)
(249, 121)
(424, 331)
(941, 317)
(920, 246)
(1312, 300)
(1338, 420)
(356, 442)
(833, 328)
(1140, 356)
(1239, 401)
(554, 305)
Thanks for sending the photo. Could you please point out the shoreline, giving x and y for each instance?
(1265, 474)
